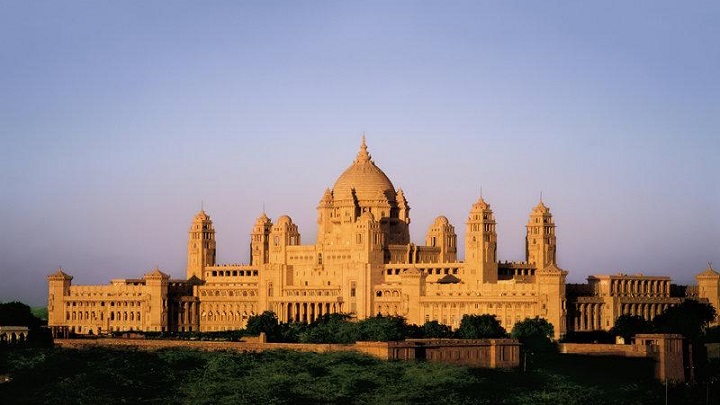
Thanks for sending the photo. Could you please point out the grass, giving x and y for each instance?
(176, 376)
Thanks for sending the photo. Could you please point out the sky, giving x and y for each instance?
(120, 120)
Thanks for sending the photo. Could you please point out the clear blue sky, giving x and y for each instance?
(118, 118)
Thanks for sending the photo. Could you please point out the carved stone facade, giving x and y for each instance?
(362, 263)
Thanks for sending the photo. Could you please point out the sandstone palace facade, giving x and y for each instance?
(363, 263)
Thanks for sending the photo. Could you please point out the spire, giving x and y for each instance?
(363, 156)
(480, 205)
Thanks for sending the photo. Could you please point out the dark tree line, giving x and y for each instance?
(19, 314)
(339, 328)
(690, 318)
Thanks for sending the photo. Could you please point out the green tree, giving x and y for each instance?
(627, 326)
(690, 319)
(41, 313)
(266, 322)
(435, 329)
(331, 328)
(535, 334)
(17, 314)
(383, 328)
(480, 327)
(291, 332)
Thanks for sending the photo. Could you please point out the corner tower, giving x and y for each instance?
(481, 243)
(201, 245)
(540, 244)
(58, 288)
(709, 288)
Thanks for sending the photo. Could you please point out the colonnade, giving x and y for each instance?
(640, 287)
(647, 311)
(589, 316)
(305, 311)
(186, 315)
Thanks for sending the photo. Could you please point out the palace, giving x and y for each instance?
(363, 263)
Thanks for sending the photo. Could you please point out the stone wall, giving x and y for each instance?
(665, 349)
(595, 349)
(485, 353)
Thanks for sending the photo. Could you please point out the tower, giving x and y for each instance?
(325, 217)
(59, 287)
(201, 245)
(442, 235)
(709, 288)
(260, 241)
(540, 244)
(283, 234)
(156, 318)
(481, 243)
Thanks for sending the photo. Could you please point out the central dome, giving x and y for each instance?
(368, 181)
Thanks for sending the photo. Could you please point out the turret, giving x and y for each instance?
(369, 239)
(403, 207)
(709, 288)
(325, 217)
(201, 246)
(283, 234)
(156, 319)
(442, 235)
(540, 244)
(260, 241)
(481, 243)
(58, 288)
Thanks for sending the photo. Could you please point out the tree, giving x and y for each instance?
(383, 328)
(627, 326)
(480, 327)
(435, 329)
(291, 332)
(267, 322)
(712, 335)
(535, 334)
(690, 319)
(331, 328)
(17, 314)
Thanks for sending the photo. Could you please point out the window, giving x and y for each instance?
(352, 288)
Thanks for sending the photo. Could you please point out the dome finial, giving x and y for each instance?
(363, 156)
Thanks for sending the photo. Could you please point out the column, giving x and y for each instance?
(577, 317)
